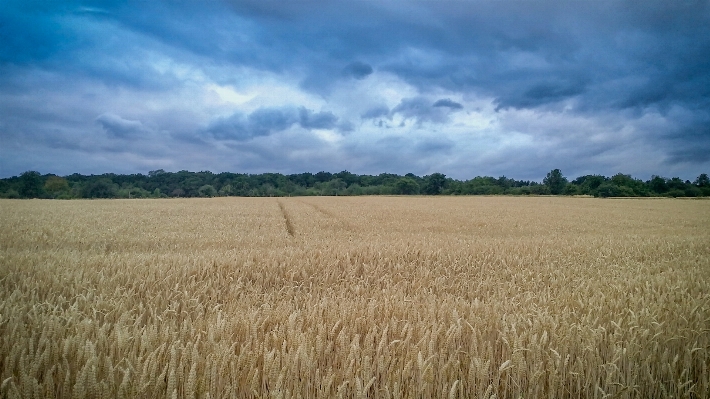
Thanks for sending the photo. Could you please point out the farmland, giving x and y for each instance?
(381, 297)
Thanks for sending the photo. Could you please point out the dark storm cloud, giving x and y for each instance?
(261, 122)
(690, 155)
(21, 48)
(84, 48)
(530, 54)
(417, 108)
(317, 120)
(539, 93)
(587, 61)
(448, 103)
(358, 70)
(421, 110)
(690, 144)
(508, 49)
(268, 120)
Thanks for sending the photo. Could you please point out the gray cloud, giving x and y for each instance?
(346, 127)
(536, 96)
(376, 112)
(421, 110)
(506, 49)
(319, 120)
(641, 65)
(121, 128)
(695, 150)
(268, 120)
(435, 145)
(262, 122)
(358, 70)
(448, 103)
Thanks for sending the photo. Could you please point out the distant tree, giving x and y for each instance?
(347, 177)
(334, 187)
(193, 184)
(406, 186)
(555, 182)
(609, 189)
(455, 187)
(675, 193)
(354, 189)
(505, 182)
(487, 190)
(323, 177)
(692, 191)
(606, 190)
(519, 191)
(540, 189)
(571, 189)
(588, 184)
(30, 184)
(55, 185)
(702, 180)
(630, 187)
(207, 191)
(10, 194)
(434, 184)
(100, 188)
(676, 183)
(658, 184)
(226, 190)
(303, 179)
(130, 191)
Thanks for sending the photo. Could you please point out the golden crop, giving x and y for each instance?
(379, 297)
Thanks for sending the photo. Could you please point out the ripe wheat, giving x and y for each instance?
(378, 297)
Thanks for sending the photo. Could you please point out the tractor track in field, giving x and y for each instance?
(330, 215)
(287, 218)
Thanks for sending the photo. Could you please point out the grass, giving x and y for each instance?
(383, 297)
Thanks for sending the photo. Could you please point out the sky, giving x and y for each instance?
(465, 88)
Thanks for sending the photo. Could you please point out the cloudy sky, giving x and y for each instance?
(466, 88)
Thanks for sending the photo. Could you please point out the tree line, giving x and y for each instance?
(162, 184)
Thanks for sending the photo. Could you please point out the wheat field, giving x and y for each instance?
(377, 297)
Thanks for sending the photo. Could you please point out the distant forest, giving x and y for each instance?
(162, 184)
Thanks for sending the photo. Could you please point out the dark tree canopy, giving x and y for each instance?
(434, 184)
(406, 186)
(161, 184)
(101, 188)
(31, 184)
(555, 181)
